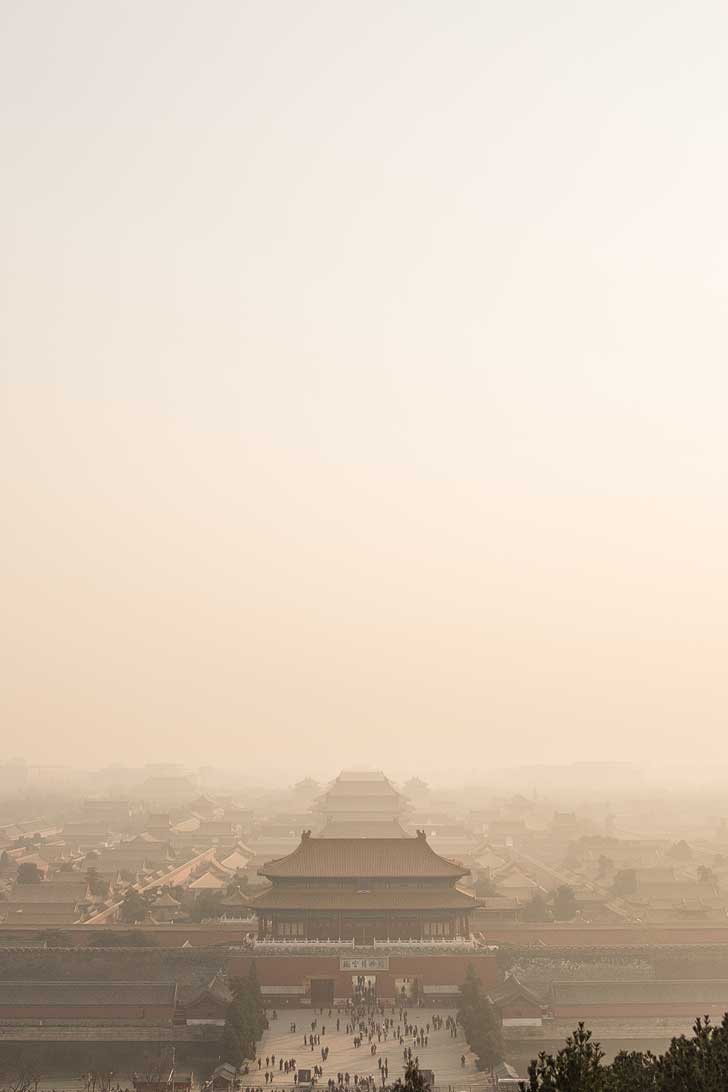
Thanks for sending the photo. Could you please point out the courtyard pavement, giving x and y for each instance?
(442, 1054)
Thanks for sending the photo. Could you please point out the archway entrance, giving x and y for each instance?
(364, 988)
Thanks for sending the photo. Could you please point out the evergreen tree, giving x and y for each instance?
(230, 1047)
(536, 909)
(696, 1064)
(565, 903)
(133, 909)
(28, 872)
(577, 1067)
(480, 1022)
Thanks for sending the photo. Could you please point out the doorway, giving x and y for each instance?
(322, 993)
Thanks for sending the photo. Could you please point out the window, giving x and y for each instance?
(437, 929)
(290, 929)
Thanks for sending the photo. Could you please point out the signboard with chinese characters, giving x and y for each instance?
(369, 963)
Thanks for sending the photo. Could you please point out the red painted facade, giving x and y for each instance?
(428, 970)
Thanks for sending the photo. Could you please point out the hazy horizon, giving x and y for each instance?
(364, 384)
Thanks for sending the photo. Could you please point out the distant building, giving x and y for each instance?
(362, 805)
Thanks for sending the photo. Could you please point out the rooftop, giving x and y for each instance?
(406, 898)
(594, 992)
(70, 992)
(361, 858)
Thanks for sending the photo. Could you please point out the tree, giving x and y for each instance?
(25, 1078)
(479, 1022)
(98, 1080)
(240, 882)
(245, 1014)
(696, 1064)
(536, 909)
(625, 882)
(575, 1068)
(230, 1046)
(564, 903)
(133, 909)
(28, 873)
(254, 991)
(631, 1071)
(207, 905)
(97, 885)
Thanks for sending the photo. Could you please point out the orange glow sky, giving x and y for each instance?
(364, 383)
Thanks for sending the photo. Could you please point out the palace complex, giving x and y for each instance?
(363, 890)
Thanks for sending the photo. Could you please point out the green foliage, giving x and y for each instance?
(696, 1064)
(536, 909)
(28, 873)
(207, 906)
(480, 1022)
(564, 903)
(246, 1012)
(133, 909)
(97, 885)
(231, 1049)
(240, 882)
(575, 1068)
(631, 1071)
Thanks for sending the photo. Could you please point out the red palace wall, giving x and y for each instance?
(434, 970)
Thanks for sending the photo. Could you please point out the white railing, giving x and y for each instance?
(441, 943)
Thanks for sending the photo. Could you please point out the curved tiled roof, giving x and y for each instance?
(402, 898)
(86, 992)
(360, 858)
(599, 992)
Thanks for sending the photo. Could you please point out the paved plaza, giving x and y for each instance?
(442, 1054)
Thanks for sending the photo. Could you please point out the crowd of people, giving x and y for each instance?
(373, 1028)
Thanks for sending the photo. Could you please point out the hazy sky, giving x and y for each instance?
(364, 382)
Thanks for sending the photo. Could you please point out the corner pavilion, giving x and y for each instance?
(363, 889)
